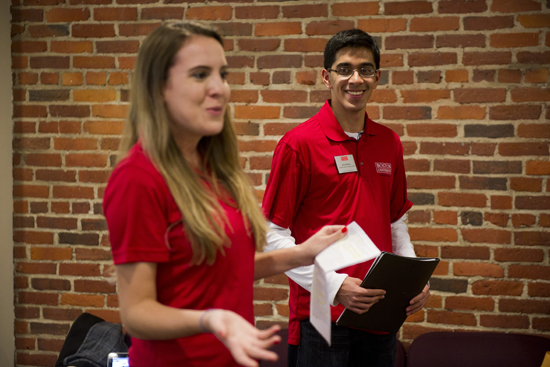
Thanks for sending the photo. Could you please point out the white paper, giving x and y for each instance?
(356, 247)
(320, 304)
(353, 249)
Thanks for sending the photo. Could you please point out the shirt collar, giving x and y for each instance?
(332, 128)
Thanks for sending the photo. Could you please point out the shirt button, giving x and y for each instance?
(361, 163)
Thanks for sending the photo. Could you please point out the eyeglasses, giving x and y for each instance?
(364, 72)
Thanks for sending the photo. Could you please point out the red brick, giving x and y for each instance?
(445, 217)
(278, 128)
(527, 57)
(51, 253)
(86, 300)
(417, 165)
(431, 130)
(328, 27)
(435, 24)
(117, 46)
(69, 111)
(498, 219)
(283, 96)
(533, 131)
(432, 59)
(79, 269)
(487, 58)
(170, 12)
(460, 41)
(305, 11)
(68, 192)
(93, 30)
(462, 6)
(257, 45)
(26, 47)
(257, 12)
(462, 199)
(465, 252)
(537, 168)
(38, 298)
(61, 208)
(67, 15)
(521, 149)
(257, 145)
(271, 294)
(539, 289)
(382, 25)
(103, 127)
(114, 14)
(210, 13)
(497, 287)
(35, 359)
(444, 148)
(257, 112)
(456, 76)
(509, 76)
(529, 272)
(424, 96)
(418, 216)
(532, 238)
(431, 182)
(514, 40)
(461, 113)
(94, 62)
(475, 269)
(537, 76)
(514, 6)
(277, 29)
(402, 77)
(526, 184)
(530, 95)
(306, 77)
(544, 220)
(518, 255)
(409, 42)
(134, 29)
(504, 321)
(408, 7)
(354, 9)
(469, 303)
(533, 202)
(305, 45)
(451, 318)
(501, 202)
(279, 61)
(517, 112)
(479, 95)
(433, 234)
(486, 235)
(452, 165)
(534, 20)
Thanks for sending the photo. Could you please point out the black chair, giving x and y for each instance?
(477, 349)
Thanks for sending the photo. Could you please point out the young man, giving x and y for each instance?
(335, 168)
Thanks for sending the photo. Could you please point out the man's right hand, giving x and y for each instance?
(355, 298)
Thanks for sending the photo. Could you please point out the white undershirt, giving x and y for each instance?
(279, 237)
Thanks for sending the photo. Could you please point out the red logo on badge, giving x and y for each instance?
(383, 168)
(344, 158)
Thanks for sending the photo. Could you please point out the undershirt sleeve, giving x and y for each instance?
(401, 241)
(279, 238)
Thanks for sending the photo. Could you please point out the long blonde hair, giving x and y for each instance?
(148, 120)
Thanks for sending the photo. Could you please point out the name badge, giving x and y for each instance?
(345, 163)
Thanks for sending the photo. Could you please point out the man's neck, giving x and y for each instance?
(350, 121)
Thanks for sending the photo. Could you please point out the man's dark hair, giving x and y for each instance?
(350, 38)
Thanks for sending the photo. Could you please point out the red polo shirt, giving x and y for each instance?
(305, 190)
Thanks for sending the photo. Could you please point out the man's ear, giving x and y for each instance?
(325, 74)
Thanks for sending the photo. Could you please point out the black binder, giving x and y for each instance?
(403, 278)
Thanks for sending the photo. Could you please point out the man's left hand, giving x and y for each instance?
(418, 302)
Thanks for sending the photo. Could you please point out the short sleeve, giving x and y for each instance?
(135, 206)
(286, 186)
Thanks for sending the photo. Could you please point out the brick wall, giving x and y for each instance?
(464, 83)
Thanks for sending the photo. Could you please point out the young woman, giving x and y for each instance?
(185, 228)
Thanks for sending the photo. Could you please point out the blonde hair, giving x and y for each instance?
(148, 120)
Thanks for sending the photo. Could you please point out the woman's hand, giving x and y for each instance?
(245, 342)
(325, 237)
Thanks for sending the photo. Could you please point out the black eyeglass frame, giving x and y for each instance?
(353, 72)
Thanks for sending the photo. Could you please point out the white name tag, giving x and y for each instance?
(345, 163)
